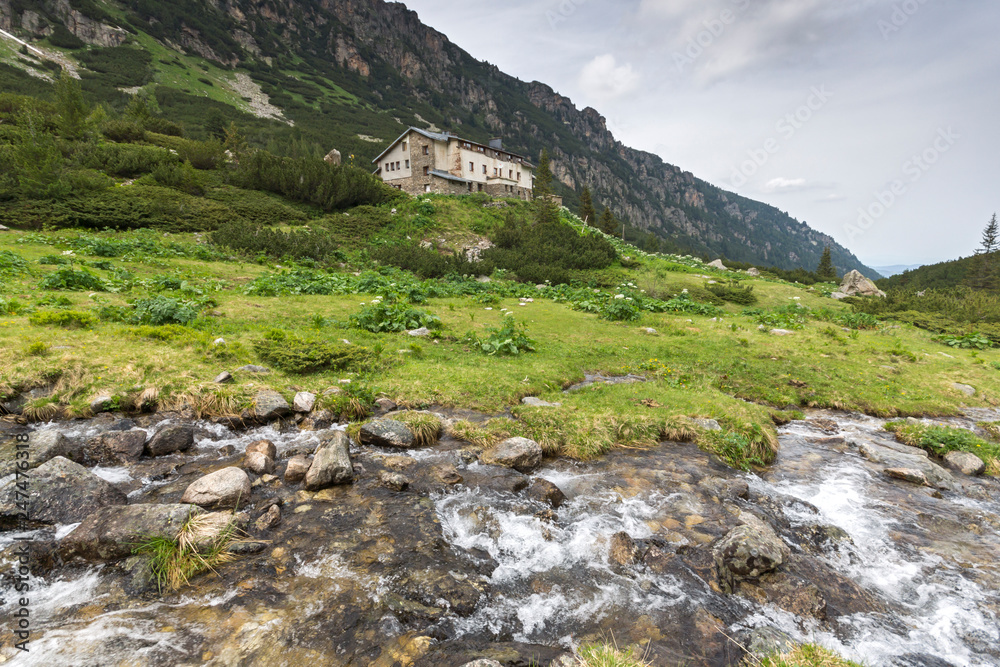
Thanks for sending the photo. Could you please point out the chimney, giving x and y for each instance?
(496, 143)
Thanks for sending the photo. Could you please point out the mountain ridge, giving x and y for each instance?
(402, 72)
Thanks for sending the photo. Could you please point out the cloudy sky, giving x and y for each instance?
(875, 121)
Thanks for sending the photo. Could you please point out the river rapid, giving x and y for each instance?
(466, 563)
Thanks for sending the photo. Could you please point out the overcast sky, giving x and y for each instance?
(823, 108)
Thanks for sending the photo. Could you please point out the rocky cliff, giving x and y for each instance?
(383, 53)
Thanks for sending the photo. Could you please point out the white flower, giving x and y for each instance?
(619, 296)
(628, 298)
(489, 309)
(69, 253)
(684, 291)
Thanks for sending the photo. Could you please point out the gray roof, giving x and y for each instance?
(449, 177)
(440, 136)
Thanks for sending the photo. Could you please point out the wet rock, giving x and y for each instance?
(534, 402)
(265, 447)
(59, 492)
(221, 489)
(225, 377)
(623, 551)
(520, 454)
(122, 425)
(748, 551)
(725, 488)
(304, 402)
(908, 475)
(448, 474)
(111, 533)
(258, 463)
(331, 463)
(226, 451)
(102, 403)
(268, 520)
(387, 433)
(42, 446)
(966, 463)
(269, 404)
(966, 389)
(497, 479)
(115, 448)
(170, 439)
(766, 641)
(893, 458)
(545, 491)
(484, 662)
(393, 481)
(297, 468)
(385, 405)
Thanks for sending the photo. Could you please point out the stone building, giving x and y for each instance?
(420, 161)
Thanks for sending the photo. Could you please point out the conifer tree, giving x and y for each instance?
(826, 271)
(72, 108)
(608, 223)
(983, 273)
(587, 212)
(543, 177)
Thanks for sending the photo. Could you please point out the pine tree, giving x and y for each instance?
(826, 271)
(543, 177)
(608, 223)
(983, 273)
(587, 212)
(72, 108)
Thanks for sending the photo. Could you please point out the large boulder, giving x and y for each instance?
(331, 463)
(855, 284)
(717, 264)
(42, 446)
(111, 533)
(748, 551)
(115, 448)
(520, 454)
(221, 489)
(269, 404)
(171, 439)
(966, 463)
(304, 402)
(59, 492)
(387, 433)
(333, 157)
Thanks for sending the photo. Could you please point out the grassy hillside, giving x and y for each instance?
(142, 268)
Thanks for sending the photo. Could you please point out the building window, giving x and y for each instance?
(387, 166)
(512, 174)
(484, 168)
(427, 188)
(397, 164)
(404, 145)
(470, 187)
(407, 164)
(427, 150)
(518, 175)
(427, 171)
(480, 186)
(472, 166)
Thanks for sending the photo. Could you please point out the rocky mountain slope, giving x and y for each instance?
(354, 73)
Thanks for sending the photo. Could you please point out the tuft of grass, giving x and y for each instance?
(806, 655)
(37, 349)
(751, 446)
(609, 655)
(201, 545)
(426, 427)
(939, 440)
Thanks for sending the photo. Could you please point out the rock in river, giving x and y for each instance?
(520, 454)
(220, 489)
(112, 532)
(387, 433)
(331, 463)
(61, 492)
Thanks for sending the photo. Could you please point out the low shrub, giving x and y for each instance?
(12, 264)
(621, 309)
(37, 349)
(258, 239)
(54, 260)
(12, 306)
(968, 341)
(67, 319)
(384, 317)
(734, 292)
(791, 317)
(123, 131)
(940, 440)
(509, 339)
(73, 280)
(293, 354)
(124, 160)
